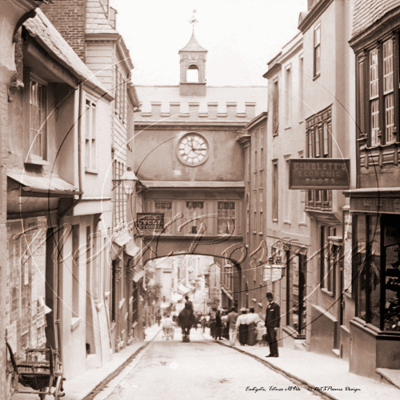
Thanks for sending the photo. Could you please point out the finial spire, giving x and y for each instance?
(193, 21)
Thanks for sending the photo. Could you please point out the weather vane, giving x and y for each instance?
(193, 21)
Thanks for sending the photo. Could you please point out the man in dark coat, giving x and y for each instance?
(272, 322)
(188, 303)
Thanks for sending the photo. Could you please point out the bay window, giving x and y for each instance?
(377, 93)
(318, 138)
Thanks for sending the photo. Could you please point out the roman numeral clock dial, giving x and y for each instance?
(193, 149)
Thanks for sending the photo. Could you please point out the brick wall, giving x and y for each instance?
(69, 18)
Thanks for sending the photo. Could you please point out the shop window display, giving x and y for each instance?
(378, 262)
(392, 275)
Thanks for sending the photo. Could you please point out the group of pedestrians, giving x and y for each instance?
(249, 328)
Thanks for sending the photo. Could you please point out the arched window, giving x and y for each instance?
(192, 74)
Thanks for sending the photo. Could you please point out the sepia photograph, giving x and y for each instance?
(200, 199)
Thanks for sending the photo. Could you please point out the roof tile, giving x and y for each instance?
(367, 12)
(48, 35)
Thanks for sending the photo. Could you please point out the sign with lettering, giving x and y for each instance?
(150, 221)
(319, 173)
(272, 272)
(376, 205)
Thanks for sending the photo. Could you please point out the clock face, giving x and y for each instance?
(193, 149)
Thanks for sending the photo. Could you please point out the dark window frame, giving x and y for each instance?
(363, 91)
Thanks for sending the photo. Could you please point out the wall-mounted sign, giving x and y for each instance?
(319, 173)
(150, 221)
(376, 204)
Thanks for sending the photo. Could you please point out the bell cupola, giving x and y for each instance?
(193, 66)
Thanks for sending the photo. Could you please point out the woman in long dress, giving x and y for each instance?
(252, 330)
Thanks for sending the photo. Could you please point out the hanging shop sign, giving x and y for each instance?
(272, 272)
(319, 173)
(150, 221)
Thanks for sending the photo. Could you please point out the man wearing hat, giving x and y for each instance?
(272, 322)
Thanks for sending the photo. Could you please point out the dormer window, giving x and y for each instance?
(192, 74)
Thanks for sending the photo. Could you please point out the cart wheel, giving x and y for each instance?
(57, 389)
(10, 386)
(43, 395)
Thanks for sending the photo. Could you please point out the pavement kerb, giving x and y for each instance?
(280, 370)
(117, 371)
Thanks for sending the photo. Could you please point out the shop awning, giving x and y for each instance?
(40, 186)
(123, 239)
(131, 249)
(175, 297)
(138, 275)
(183, 289)
(227, 293)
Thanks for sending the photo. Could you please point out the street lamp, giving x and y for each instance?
(128, 180)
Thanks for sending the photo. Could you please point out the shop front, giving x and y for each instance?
(375, 329)
(286, 270)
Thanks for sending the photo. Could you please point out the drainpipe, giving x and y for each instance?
(60, 217)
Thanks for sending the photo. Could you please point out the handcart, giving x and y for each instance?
(41, 371)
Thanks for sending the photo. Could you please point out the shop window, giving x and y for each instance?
(328, 259)
(378, 263)
(226, 217)
(391, 317)
(368, 263)
(295, 280)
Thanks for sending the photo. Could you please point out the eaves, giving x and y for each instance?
(295, 48)
(314, 14)
(113, 37)
(257, 120)
(189, 125)
(272, 71)
(133, 97)
(388, 22)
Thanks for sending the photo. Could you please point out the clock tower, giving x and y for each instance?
(193, 67)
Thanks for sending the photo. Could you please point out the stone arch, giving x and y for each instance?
(232, 251)
(193, 74)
